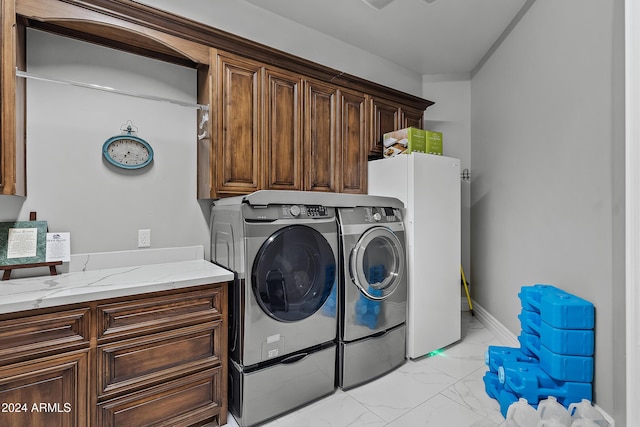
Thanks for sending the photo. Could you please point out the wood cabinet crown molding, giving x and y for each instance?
(90, 14)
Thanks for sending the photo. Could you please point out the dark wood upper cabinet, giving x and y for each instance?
(412, 118)
(282, 130)
(275, 120)
(352, 141)
(320, 127)
(238, 131)
(385, 117)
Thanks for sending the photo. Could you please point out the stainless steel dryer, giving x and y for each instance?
(373, 292)
(283, 248)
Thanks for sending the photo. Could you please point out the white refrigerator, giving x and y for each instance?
(429, 186)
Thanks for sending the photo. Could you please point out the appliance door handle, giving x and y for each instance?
(276, 289)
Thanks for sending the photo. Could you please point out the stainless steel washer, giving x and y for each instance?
(283, 248)
(373, 292)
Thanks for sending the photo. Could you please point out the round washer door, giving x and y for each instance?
(377, 263)
(293, 273)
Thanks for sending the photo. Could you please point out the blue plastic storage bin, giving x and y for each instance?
(529, 344)
(533, 383)
(557, 307)
(497, 355)
(565, 367)
(530, 321)
(530, 296)
(575, 342)
(555, 357)
(561, 367)
(496, 391)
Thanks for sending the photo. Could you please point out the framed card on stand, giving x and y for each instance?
(23, 242)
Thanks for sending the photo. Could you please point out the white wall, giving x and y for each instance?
(70, 185)
(451, 115)
(251, 22)
(547, 154)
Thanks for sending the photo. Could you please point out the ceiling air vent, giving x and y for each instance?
(378, 4)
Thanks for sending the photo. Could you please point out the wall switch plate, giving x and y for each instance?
(144, 238)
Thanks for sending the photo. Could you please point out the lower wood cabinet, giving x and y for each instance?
(50, 391)
(153, 359)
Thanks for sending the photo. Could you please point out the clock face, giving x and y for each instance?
(128, 152)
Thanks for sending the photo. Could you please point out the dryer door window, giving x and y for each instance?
(293, 273)
(377, 263)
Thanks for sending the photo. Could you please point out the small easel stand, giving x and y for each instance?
(8, 268)
(52, 265)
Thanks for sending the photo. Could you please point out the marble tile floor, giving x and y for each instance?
(444, 390)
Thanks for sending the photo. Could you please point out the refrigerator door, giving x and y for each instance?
(429, 185)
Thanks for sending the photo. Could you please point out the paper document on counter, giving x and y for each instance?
(58, 247)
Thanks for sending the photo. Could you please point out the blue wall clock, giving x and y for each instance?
(127, 151)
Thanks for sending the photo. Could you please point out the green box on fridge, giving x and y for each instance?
(434, 142)
(410, 140)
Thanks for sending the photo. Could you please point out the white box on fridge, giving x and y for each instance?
(429, 186)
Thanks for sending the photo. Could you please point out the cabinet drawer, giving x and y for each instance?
(148, 315)
(34, 336)
(190, 400)
(145, 361)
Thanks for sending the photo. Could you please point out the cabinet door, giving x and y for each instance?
(12, 102)
(238, 141)
(320, 148)
(352, 140)
(412, 118)
(48, 392)
(282, 131)
(385, 117)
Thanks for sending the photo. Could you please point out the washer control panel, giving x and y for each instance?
(304, 211)
(274, 212)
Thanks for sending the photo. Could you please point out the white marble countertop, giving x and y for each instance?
(69, 288)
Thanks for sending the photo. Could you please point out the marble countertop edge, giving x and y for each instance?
(78, 287)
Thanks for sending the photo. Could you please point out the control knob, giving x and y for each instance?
(294, 210)
(377, 217)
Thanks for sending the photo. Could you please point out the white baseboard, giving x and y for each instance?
(508, 338)
(504, 335)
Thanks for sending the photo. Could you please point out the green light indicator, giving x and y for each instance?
(436, 353)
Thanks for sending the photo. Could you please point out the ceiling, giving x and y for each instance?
(424, 36)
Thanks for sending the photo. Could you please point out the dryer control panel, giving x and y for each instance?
(382, 215)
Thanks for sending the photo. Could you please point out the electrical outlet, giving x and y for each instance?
(144, 238)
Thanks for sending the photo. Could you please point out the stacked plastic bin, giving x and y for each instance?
(555, 357)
